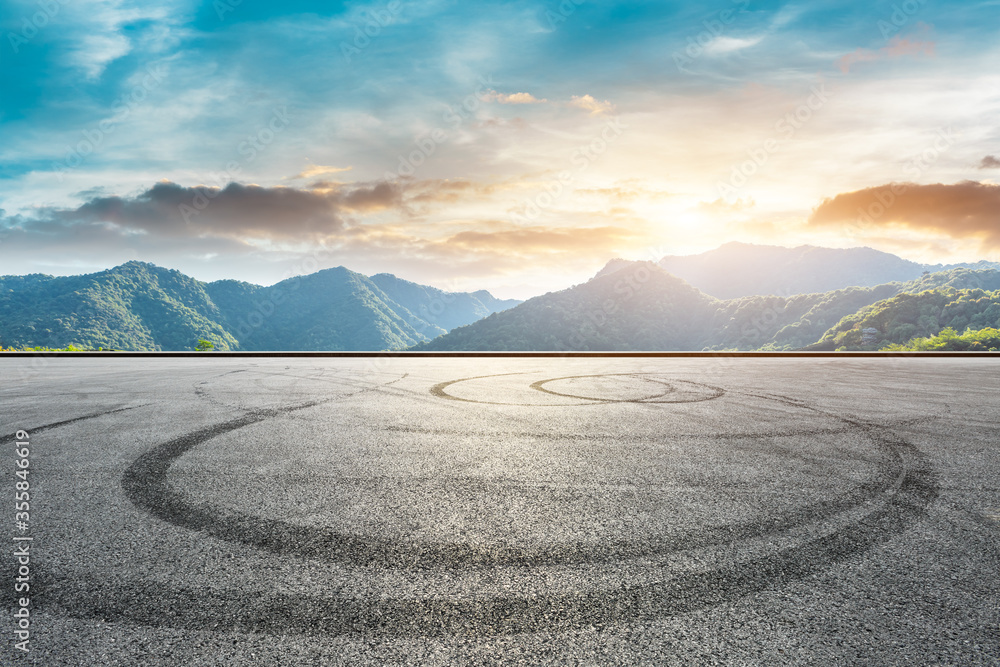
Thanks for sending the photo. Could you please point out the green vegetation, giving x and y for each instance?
(140, 306)
(617, 311)
(133, 307)
(639, 307)
(68, 348)
(628, 306)
(786, 323)
(975, 340)
(908, 316)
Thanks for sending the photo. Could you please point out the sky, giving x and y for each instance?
(511, 146)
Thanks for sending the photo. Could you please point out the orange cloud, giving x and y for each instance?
(963, 210)
(490, 247)
(627, 193)
(318, 170)
(541, 240)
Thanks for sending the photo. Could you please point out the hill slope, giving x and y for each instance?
(133, 306)
(896, 321)
(639, 306)
(139, 306)
(437, 310)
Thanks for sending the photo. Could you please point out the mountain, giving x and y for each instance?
(919, 314)
(438, 310)
(135, 306)
(627, 306)
(333, 309)
(140, 306)
(639, 306)
(743, 269)
(986, 339)
(786, 323)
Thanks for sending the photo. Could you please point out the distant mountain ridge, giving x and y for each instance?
(627, 306)
(141, 306)
(743, 269)
(639, 306)
(440, 309)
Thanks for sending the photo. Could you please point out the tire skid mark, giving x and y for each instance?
(739, 435)
(540, 386)
(145, 602)
(439, 391)
(146, 485)
(7, 439)
(906, 488)
(203, 394)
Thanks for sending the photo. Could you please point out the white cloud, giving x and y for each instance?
(725, 44)
(594, 106)
(95, 30)
(513, 98)
(95, 52)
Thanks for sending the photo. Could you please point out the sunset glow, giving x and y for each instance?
(510, 146)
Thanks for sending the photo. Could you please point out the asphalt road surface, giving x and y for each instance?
(525, 511)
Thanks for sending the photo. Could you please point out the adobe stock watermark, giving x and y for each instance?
(763, 325)
(901, 14)
(430, 313)
(784, 131)
(582, 157)
(714, 28)
(886, 197)
(22, 541)
(123, 107)
(630, 282)
(263, 309)
(33, 24)
(223, 7)
(375, 21)
(565, 9)
(425, 145)
(250, 148)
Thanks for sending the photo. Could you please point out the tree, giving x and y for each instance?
(204, 345)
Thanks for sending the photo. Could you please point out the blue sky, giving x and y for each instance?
(515, 146)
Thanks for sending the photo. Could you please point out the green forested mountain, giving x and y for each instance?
(786, 323)
(638, 307)
(627, 306)
(949, 340)
(743, 269)
(618, 311)
(895, 322)
(139, 306)
(135, 306)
